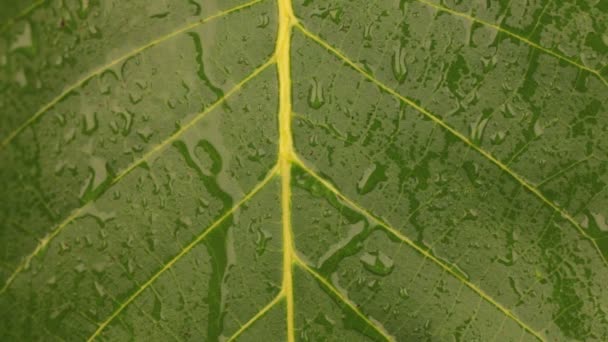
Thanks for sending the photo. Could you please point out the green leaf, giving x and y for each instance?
(282, 170)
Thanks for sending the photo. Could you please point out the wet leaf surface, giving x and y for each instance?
(303, 170)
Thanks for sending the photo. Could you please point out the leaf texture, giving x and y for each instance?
(282, 170)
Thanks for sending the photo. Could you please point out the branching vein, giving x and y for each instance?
(156, 149)
(420, 250)
(520, 179)
(343, 299)
(257, 316)
(6, 141)
(183, 252)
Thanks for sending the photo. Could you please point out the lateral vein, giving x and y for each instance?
(158, 148)
(343, 299)
(183, 252)
(520, 179)
(419, 249)
(6, 141)
(257, 316)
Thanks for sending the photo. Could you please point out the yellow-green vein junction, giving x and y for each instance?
(520, 179)
(336, 293)
(183, 252)
(257, 316)
(420, 250)
(6, 141)
(156, 149)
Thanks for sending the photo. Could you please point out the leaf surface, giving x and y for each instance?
(303, 170)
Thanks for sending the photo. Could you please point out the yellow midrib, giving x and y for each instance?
(286, 153)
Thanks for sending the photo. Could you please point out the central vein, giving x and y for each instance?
(282, 53)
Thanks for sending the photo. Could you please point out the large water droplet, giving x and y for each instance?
(145, 134)
(372, 176)
(89, 123)
(315, 94)
(24, 39)
(377, 263)
(398, 64)
(261, 241)
(477, 128)
(539, 128)
(99, 176)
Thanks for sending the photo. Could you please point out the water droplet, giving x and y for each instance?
(477, 128)
(398, 64)
(498, 138)
(157, 308)
(100, 290)
(145, 134)
(367, 31)
(263, 20)
(539, 129)
(20, 78)
(470, 215)
(372, 176)
(600, 221)
(323, 320)
(184, 221)
(51, 281)
(335, 15)
(508, 111)
(69, 135)
(472, 171)
(23, 40)
(106, 80)
(99, 176)
(127, 118)
(80, 268)
(315, 94)
(377, 263)
(89, 123)
(261, 241)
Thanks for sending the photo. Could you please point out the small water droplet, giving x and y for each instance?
(377, 263)
(315, 94)
(261, 241)
(477, 128)
(600, 221)
(498, 138)
(89, 123)
(399, 64)
(157, 308)
(100, 290)
(372, 176)
(20, 78)
(472, 171)
(51, 281)
(145, 134)
(99, 176)
(127, 118)
(263, 20)
(69, 135)
(23, 40)
(539, 129)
